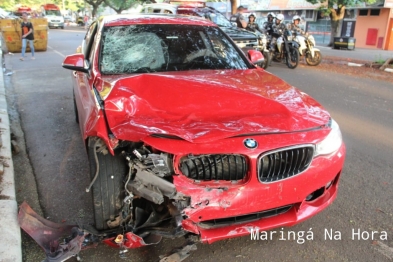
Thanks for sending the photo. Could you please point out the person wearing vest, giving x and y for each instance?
(239, 19)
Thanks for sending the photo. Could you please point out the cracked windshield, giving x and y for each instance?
(161, 48)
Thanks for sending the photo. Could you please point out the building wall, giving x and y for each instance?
(367, 27)
(389, 38)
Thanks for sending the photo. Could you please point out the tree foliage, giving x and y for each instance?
(336, 10)
(11, 5)
(121, 5)
(94, 4)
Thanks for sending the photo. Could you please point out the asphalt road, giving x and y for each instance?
(40, 94)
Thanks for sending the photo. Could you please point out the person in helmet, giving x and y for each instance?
(295, 28)
(238, 18)
(252, 26)
(268, 25)
(278, 29)
(298, 33)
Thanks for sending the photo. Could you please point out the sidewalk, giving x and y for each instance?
(369, 55)
(10, 244)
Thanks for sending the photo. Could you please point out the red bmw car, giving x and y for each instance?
(187, 137)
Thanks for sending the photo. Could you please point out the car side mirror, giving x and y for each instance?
(255, 57)
(76, 62)
(234, 24)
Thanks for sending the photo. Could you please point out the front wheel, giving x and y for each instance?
(108, 187)
(314, 61)
(292, 58)
(268, 58)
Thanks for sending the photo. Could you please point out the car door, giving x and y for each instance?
(83, 88)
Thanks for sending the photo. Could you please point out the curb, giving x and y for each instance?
(11, 243)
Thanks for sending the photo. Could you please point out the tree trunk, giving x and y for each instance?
(234, 6)
(93, 13)
(387, 62)
(336, 22)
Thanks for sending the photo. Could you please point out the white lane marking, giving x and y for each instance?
(57, 52)
(384, 249)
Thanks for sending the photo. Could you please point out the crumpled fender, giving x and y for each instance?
(47, 234)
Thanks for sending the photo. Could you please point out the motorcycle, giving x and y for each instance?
(307, 48)
(263, 47)
(286, 49)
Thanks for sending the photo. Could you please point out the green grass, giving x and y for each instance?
(379, 60)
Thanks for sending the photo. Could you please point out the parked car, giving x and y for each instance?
(69, 19)
(243, 38)
(186, 137)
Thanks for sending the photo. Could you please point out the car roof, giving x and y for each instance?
(133, 19)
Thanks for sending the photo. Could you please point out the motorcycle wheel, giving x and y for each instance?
(314, 61)
(292, 58)
(268, 58)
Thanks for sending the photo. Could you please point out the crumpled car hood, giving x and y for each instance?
(203, 106)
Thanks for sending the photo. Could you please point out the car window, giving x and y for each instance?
(218, 19)
(162, 48)
(89, 38)
(151, 10)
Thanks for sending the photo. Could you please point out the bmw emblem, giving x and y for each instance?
(250, 143)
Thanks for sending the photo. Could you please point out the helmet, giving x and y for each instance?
(296, 17)
(280, 17)
(271, 14)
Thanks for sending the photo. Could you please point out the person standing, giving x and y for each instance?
(239, 19)
(27, 35)
(86, 20)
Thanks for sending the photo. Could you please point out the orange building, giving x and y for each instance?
(371, 25)
(374, 27)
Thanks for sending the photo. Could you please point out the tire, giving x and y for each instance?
(317, 59)
(267, 62)
(292, 58)
(108, 189)
(75, 111)
(271, 56)
(62, 27)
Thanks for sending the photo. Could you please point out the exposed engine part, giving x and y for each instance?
(48, 234)
(148, 185)
(159, 164)
(62, 252)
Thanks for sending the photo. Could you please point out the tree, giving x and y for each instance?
(336, 10)
(120, 5)
(234, 6)
(95, 4)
